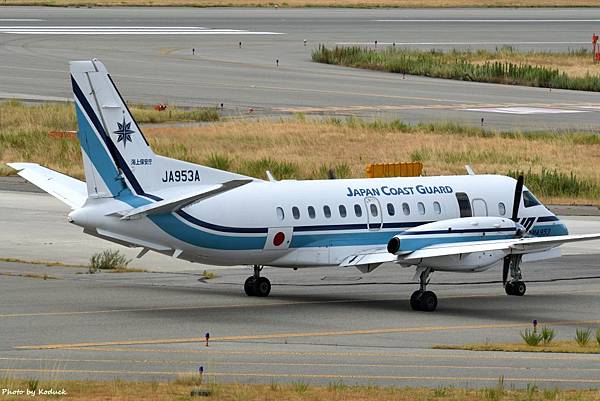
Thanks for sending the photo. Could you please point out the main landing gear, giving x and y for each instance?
(512, 265)
(423, 300)
(257, 286)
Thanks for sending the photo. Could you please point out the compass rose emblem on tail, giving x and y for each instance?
(124, 132)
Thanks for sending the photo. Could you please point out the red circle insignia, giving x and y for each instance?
(278, 238)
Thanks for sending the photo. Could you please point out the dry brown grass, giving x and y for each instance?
(574, 64)
(312, 146)
(180, 390)
(313, 3)
(569, 347)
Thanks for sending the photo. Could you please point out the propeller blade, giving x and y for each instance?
(517, 199)
(505, 268)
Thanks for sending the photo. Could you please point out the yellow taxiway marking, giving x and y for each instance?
(310, 375)
(295, 364)
(391, 330)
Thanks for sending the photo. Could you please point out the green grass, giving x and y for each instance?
(582, 336)
(531, 337)
(553, 184)
(108, 260)
(456, 64)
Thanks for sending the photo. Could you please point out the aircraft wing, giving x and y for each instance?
(64, 188)
(173, 204)
(510, 246)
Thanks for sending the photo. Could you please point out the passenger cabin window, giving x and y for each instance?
(280, 214)
(421, 207)
(464, 204)
(342, 209)
(327, 211)
(357, 210)
(296, 212)
(405, 209)
(311, 212)
(390, 209)
(374, 211)
(501, 209)
(529, 200)
(437, 208)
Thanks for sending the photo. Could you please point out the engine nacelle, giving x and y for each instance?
(464, 229)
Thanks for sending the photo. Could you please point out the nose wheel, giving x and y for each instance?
(257, 286)
(517, 288)
(512, 266)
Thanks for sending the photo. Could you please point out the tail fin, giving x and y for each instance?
(117, 157)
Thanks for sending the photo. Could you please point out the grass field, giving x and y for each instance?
(568, 70)
(559, 168)
(312, 3)
(180, 390)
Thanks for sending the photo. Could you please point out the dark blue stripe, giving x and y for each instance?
(461, 231)
(192, 219)
(547, 218)
(331, 227)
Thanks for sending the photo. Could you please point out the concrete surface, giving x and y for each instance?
(160, 67)
(318, 325)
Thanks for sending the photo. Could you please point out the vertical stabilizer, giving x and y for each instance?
(117, 156)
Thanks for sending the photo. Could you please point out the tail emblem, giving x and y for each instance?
(124, 132)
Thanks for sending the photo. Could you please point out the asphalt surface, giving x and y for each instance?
(158, 65)
(318, 325)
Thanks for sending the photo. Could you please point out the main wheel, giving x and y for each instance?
(509, 288)
(519, 288)
(262, 287)
(414, 300)
(428, 301)
(250, 286)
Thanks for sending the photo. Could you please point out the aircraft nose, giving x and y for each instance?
(561, 229)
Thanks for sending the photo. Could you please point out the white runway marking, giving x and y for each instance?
(125, 30)
(525, 110)
(463, 20)
(21, 19)
(458, 43)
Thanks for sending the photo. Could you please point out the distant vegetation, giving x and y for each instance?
(505, 66)
(559, 167)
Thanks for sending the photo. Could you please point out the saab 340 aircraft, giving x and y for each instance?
(136, 198)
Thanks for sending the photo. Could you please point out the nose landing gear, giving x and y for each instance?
(512, 265)
(257, 286)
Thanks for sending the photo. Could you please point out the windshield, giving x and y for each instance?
(530, 200)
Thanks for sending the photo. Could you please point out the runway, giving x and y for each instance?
(149, 52)
(318, 325)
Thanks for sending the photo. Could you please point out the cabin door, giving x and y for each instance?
(374, 217)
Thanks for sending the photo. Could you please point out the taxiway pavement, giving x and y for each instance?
(149, 53)
(318, 325)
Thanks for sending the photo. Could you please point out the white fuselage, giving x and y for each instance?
(310, 223)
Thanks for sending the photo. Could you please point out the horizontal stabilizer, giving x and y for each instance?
(64, 188)
(171, 205)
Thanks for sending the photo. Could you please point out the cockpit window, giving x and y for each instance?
(529, 199)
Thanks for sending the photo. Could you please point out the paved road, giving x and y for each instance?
(36, 44)
(319, 325)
